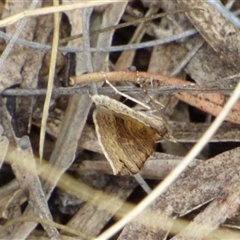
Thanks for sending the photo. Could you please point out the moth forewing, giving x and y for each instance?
(126, 136)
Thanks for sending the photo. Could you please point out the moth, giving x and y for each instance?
(127, 137)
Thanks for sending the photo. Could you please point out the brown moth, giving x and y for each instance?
(127, 137)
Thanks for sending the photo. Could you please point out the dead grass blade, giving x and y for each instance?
(50, 80)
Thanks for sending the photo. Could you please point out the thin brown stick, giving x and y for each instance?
(126, 24)
(125, 76)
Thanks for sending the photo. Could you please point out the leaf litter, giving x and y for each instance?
(208, 188)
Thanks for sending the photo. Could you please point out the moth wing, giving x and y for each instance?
(126, 142)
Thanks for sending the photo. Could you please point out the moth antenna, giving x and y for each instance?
(123, 94)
